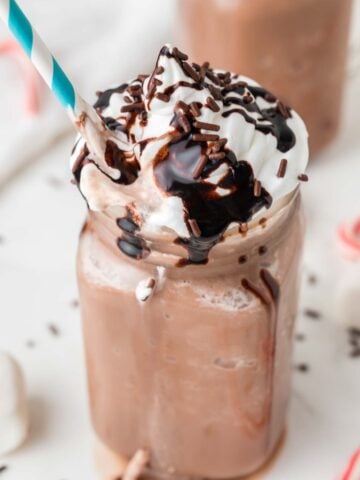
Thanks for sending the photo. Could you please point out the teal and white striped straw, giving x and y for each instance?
(49, 69)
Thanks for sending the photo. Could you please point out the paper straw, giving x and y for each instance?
(54, 76)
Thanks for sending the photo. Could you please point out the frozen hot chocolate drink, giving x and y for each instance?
(188, 266)
(296, 48)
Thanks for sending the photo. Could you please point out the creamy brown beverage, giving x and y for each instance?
(188, 266)
(295, 48)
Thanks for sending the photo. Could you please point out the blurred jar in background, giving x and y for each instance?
(295, 48)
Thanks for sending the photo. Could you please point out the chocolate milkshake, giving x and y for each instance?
(297, 49)
(187, 268)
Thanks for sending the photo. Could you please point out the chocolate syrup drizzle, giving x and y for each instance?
(213, 213)
(103, 100)
(183, 166)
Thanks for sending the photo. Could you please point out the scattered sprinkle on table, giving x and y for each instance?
(311, 313)
(53, 329)
(302, 367)
(74, 303)
(54, 182)
(312, 279)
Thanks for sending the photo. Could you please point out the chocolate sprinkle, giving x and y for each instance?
(207, 126)
(180, 105)
(303, 177)
(262, 250)
(3, 468)
(247, 98)
(184, 122)
(269, 97)
(219, 144)
(242, 259)
(188, 69)
(211, 76)
(135, 90)
(257, 188)
(163, 97)
(195, 110)
(282, 168)
(205, 137)
(200, 167)
(134, 107)
(235, 86)
(212, 104)
(215, 92)
(180, 55)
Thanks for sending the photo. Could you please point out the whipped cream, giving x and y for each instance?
(197, 149)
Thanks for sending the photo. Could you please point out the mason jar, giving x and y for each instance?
(197, 370)
(296, 49)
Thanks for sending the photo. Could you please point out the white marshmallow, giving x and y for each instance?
(13, 405)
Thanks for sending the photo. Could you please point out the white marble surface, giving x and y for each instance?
(40, 217)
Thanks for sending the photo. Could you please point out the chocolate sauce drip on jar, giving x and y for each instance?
(257, 291)
(271, 284)
(127, 224)
(130, 243)
(213, 213)
(133, 247)
(270, 295)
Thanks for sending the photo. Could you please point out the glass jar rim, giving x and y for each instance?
(162, 250)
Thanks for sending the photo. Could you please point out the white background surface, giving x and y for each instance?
(41, 215)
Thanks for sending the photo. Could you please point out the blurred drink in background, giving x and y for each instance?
(296, 49)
